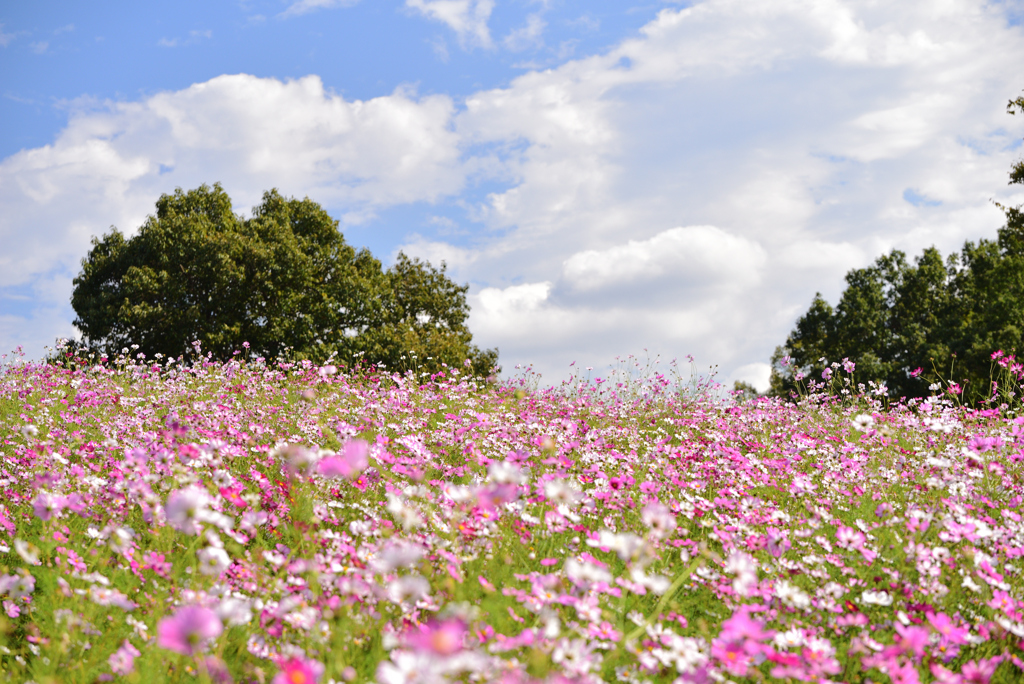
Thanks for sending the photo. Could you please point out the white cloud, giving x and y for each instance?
(793, 128)
(193, 37)
(756, 374)
(307, 6)
(5, 38)
(40, 47)
(527, 36)
(699, 256)
(468, 18)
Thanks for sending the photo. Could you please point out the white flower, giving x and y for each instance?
(792, 595)
(659, 519)
(28, 551)
(877, 598)
(560, 492)
(625, 545)
(185, 508)
(503, 472)
(863, 422)
(404, 513)
(744, 567)
(235, 611)
(791, 638)
(213, 560)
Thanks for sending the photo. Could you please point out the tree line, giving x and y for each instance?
(905, 324)
(282, 282)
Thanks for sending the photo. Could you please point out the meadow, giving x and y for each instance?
(255, 521)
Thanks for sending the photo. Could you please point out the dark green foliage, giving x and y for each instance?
(894, 317)
(284, 280)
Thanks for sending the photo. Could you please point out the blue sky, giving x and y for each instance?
(609, 177)
(58, 52)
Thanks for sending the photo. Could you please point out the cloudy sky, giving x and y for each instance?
(609, 176)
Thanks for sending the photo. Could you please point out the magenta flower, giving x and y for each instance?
(298, 671)
(188, 630)
(849, 538)
(740, 626)
(980, 672)
(945, 626)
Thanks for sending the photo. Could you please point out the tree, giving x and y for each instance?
(894, 318)
(284, 279)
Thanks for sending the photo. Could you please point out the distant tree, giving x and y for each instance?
(895, 317)
(284, 279)
(744, 391)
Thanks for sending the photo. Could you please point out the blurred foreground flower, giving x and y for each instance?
(188, 630)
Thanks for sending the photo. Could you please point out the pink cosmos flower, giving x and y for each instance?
(442, 638)
(908, 639)
(349, 463)
(46, 505)
(188, 630)
(122, 661)
(849, 538)
(980, 672)
(945, 626)
(298, 671)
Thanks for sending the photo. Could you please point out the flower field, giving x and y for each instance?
(256, 522)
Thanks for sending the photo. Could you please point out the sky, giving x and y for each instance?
(661, 179)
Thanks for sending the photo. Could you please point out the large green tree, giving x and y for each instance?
(283, 280)
(944, 317)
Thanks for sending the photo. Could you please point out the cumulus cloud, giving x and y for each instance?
(791, 128)
(697, 257)
(468, 18)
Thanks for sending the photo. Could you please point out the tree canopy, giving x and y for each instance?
(283, 280)
(903, 323)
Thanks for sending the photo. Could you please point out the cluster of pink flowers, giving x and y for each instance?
(248, 521)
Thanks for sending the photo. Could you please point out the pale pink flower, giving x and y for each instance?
(188, 630)
(122, 661)
(349, 463)
(442, 638)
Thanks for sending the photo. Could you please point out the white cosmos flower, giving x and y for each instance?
(792, 595)
(213, 560)
(877, 598)
(863, 422)
(28, 551)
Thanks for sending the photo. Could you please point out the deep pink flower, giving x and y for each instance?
(188, 630)
(980, 672)
(741, 626)
(945, 626)
(732, 655)
(298, 671)
(908, 639)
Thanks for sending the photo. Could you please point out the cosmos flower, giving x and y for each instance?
(188, 630)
